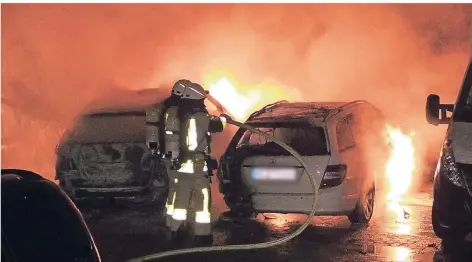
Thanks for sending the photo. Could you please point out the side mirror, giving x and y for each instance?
(436, 113)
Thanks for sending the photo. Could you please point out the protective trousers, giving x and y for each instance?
(171, 195)
(194, 185)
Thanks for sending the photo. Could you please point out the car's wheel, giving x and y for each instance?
(364, 209)
(238, 209)
(440, 231)
(451, 241)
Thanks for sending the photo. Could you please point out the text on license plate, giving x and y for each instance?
(274, 173)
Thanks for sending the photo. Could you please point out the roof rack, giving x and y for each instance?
(263, 109)
(343, 107)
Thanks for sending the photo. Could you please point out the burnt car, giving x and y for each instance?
(342, 143)
(41, 223)
(103, 155)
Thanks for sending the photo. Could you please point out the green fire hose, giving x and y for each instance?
(250, 246)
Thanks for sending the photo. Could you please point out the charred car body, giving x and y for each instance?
(104, 156)
(337, 141)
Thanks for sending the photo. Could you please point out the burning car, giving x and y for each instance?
(104, 156)
(337, 140)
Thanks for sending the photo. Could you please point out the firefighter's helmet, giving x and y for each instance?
(194, 91)
(179, 87)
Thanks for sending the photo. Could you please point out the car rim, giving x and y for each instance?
(369, 204)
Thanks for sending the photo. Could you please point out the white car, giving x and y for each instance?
(338, 141)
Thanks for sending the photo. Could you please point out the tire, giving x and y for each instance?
(452, 242)
(364, 209)
(440, 231)
(452, 245)
(242, 211)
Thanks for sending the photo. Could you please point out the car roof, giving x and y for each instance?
(20, 174)
(300, 111)
(127, 101)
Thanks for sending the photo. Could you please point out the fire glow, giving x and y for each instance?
(241, 99)
(238, 105)
(399, 170)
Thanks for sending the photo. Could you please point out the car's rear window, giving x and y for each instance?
(39, 224)
(110, 127)
(306, 139)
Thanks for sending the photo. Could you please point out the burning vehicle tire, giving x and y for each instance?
(337, 140)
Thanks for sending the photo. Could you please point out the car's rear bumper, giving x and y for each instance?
(331, 202)
(125, 192)
(80, 191)
(453, 205)
(85, 195)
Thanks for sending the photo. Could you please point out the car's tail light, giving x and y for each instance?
(333, 176)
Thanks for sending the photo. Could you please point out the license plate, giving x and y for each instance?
(274, 174)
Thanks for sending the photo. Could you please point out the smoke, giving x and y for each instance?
(64, 56)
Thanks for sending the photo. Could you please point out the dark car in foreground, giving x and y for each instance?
(41, 223)
(452, 205)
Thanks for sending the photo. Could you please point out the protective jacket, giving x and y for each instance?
(196, 126)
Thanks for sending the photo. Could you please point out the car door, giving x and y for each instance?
(348, 153)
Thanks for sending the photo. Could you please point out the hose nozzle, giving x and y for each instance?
(226, 117)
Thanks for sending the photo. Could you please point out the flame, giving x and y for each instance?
(399, 170)
(243, 99)
(237, 104)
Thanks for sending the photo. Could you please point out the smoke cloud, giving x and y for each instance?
(56, 58)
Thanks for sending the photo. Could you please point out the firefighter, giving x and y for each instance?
(188, 148)
(195, 163)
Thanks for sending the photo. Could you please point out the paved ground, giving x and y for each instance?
(121, 235)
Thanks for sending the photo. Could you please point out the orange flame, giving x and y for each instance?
(399, 170)
(243, 99)
(238, 105)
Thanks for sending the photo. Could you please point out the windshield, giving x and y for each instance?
(110, 127)
(39, 224)
(307, 140)
(463, 108)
